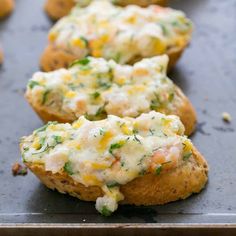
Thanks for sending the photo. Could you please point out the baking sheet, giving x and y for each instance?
(206, 73)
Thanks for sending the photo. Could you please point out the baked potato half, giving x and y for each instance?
(1, 56)
(125, 35)
(142, 161)
(6, 7)
(95, 87)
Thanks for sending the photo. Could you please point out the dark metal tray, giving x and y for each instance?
(206, 73)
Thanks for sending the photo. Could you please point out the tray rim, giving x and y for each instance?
(118, 225)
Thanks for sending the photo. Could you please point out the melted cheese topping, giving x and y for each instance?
(110, 152)
(121, 34)
(95, 87)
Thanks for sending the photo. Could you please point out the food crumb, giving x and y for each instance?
(226, 117)
(18, 169)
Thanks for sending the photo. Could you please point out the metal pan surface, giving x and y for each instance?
(206, 73)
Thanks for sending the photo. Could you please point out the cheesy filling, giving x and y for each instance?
(95, 87)
(121, 34)
(110, 152)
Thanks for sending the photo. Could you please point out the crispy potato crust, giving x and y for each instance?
(6, 7)
(185, 111)
(54, 58)
(59, 8)
(149, 189)
(1, 56)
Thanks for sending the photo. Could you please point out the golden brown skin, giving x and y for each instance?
(149, 189)
(1, 56)
(6, 7)
(185, 111)
(59, 8)
(54, 58)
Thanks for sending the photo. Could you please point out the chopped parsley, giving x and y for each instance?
(84, 40)
(104, 85)
(85, 61)
(32, 84)
(41, 151)
(105, 211)
(45, 96)
(101, 110)
(136, 139)
(158, 170)
(68, 168)
(171, 97)
(58, 139)
(187, 156)
(101, 131)
(116, 146)
(95, 95)
(155, 103)
(112, 184)
(45, 126)
(152, 131)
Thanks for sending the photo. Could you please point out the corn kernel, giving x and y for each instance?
(104, 141)
(78, 43)
(52, 36)
(126, 130)
(36, 145)
(77, 124)
(91, 180)
(70, 94)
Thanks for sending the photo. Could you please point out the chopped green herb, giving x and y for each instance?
(72, 86)
(187, 156)
(85, 61)
(45, 126)
(41, 150)
(135, 131)
(105, 211)
(158, 170)
(142, 172)
(115, 146)
(68, 168)
(104, 85)
(42, 141)
(101, 110)
(84, 40)
(26, 149)
(164, 29)
(152, 131)
(117, 57)
(136, 139)
(57, 138)
(32, 84)
(95, 95)
(112, 184)
(171, 97)
(101, 131)
(45, 96)
(155, 103)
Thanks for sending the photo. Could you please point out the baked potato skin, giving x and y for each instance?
(149, 189)
(54, 58)
(1, 56)
(6, 7)
(59, 8)
(185, 111)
